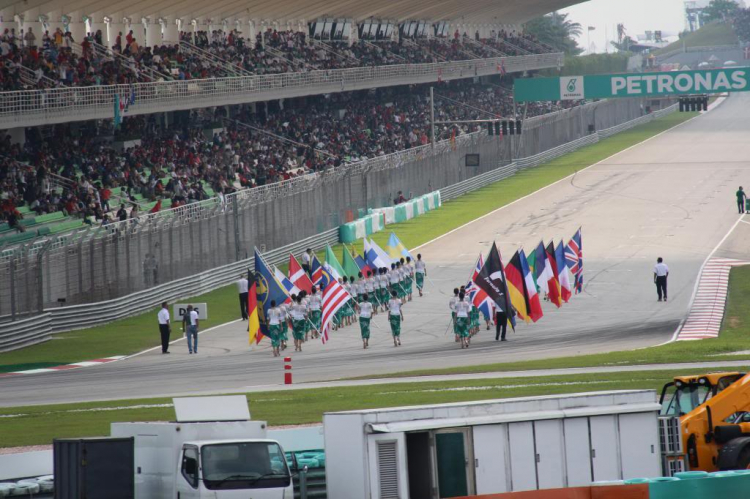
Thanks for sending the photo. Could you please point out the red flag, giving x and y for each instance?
(298, 276)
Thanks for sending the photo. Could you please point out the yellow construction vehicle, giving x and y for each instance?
(705, 423)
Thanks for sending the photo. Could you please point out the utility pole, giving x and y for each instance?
(432, 116)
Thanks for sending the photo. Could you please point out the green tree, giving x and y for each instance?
(557, 31)
(719, 10)
(741, 24)
(627, 42)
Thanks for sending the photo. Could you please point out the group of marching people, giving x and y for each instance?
(373, 291)
(465, 317)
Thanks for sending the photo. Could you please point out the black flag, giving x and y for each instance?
(491, 280)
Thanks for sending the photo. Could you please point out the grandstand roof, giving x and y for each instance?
(462, 11)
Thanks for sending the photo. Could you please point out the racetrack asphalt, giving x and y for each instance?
(671, 196)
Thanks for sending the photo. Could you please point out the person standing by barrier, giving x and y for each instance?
(741, 199)
(420, 273)
(396, 317)
(365, 315)
(306, 259)
(661, 272)
(192, 329)
(164, 327)
(242, 286)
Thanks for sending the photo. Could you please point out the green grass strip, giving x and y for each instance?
(137, 333)
(38, 425)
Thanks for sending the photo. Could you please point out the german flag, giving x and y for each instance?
(253, 323)
(516, 289)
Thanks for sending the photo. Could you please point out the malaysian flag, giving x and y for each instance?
(334, 297)
(574, 258)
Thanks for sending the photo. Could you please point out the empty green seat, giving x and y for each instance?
(43, 231)
(50, 217)
(28, 222)
(23, 210)
(66, 226)
(19, 238)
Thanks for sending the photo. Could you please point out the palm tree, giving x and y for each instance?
(556, 30)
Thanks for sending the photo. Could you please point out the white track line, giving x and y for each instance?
(180, 339)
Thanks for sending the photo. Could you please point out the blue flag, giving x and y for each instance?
(268, 289)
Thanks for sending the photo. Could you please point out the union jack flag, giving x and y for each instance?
(476, 294)
(334, 297)
(316, 269)
(574, 258)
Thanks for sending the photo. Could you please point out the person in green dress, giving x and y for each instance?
(383, 288)
(298, 313)
(274, 327)
(463, 309)
(420, 273)
(315, 305)
(409, 278)
(365, 315)
(452, 305)
(284, 334)
(396, 317)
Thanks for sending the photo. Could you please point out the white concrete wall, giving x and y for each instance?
(25, 464)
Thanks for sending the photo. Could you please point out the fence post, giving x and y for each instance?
(236, 220)
(13, 288)
(303, 483)
(40, 276)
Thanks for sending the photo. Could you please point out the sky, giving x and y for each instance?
(637, 15)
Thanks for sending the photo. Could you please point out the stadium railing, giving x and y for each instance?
(56, 105)
(39, 328)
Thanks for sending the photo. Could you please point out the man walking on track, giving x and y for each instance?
(501, 324)
(164, 327)
(661, 272)
(192, 329)
(741, 198)
(242, 286)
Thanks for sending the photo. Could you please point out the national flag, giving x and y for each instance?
(298, 276)
(563, 273)
(268, 289)
(291, 289)
(492, 280)
(515, 281)
(362, 263)
(351, 269)
(478, 296)
(253, 323)
(336, 270)
(550, 274)
(501, 68)
(532, 297)
(316, 269)
(396, 249)
(117, 116)
(334, 298)
(375, 256)
(574, 257)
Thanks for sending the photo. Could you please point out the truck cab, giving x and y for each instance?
(242, 469)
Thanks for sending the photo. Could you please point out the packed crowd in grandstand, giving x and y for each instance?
(32, 60)
(257, 145)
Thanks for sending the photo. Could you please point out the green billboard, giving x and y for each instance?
(707, 81)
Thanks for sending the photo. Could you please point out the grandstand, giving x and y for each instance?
(114, 116)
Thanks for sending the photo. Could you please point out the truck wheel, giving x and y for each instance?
(743, 462)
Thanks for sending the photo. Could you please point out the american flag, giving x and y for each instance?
(574, 257)
(334, 297)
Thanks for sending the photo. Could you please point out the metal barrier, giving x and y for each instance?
(20, 334)
(47, 106)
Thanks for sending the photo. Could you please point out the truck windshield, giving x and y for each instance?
(244, 465)
(680, 401)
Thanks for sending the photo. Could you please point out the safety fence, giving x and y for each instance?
(46, 106)
(123, 269)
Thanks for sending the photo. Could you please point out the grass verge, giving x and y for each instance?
(137, 333)
(734, 335)
(711, 35)
(38, 425)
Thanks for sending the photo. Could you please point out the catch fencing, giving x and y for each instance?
(110, 272)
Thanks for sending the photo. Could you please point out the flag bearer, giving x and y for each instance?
(452, 305)
(284, 324)
(396, 317)
(371, 286)
(353, 293)
(473, 317)
(365, 315)
(274, 327)
(420, 273)
(409, 278)
(315, 304)
(347, 311)
(298, 313)
(360, 287)
(393, 279)
(463, 309)
(383, 288)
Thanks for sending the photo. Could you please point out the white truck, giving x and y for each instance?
(212, 451)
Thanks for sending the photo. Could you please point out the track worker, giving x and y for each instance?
(242, 287)
(741, 199)
(365, 315)
(661, 272)
(192, 329)
(420, 273)
(463, 309)
(396, 317)
(164, 327)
